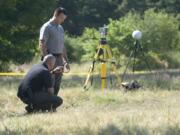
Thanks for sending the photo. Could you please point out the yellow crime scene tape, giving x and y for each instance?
(65, 74)
(23, 73)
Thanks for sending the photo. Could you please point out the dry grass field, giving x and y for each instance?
(152, 110)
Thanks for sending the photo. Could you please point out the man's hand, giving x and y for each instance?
(66, 68)
(65, 61)
(57, 70)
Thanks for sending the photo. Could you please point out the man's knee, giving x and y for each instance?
(58, 101)
(24, 97)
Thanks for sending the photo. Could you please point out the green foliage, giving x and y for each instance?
(74, 48)
(20, 21)
(170, 6)
(89, 42)
(95, 13)
(89, 13)
(160, 37)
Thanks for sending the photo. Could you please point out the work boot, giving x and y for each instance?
(29, 109)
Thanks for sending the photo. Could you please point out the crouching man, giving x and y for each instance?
(36, 89)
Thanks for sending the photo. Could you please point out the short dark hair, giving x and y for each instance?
(59, 10)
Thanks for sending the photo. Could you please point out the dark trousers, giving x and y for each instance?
(57, 82)
(57, 77)
(46, 101)
(42, 101)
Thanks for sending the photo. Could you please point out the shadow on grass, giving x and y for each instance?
(113, 130)
(130, 130)
(109, 130)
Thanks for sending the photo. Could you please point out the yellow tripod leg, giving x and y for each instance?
(88, 77)
(97, 53)
(103, 76)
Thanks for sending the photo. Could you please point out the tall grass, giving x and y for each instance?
(143, 112)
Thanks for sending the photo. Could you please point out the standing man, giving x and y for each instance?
(51, 41)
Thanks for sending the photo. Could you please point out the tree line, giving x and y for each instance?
(20, 21)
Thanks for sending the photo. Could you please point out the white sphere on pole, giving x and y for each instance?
(137, 34)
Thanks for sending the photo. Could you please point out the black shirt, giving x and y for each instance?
(37, 79)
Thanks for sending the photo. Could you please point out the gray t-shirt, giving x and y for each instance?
(53, 36)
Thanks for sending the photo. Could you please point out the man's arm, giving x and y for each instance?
(57, 70)
(43, 38)
(65, 59)
(43, 48)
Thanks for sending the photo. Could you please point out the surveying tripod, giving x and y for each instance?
(104, 56)
(137, 50)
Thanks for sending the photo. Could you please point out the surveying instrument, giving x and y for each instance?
(104, 56)
(137, 51)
